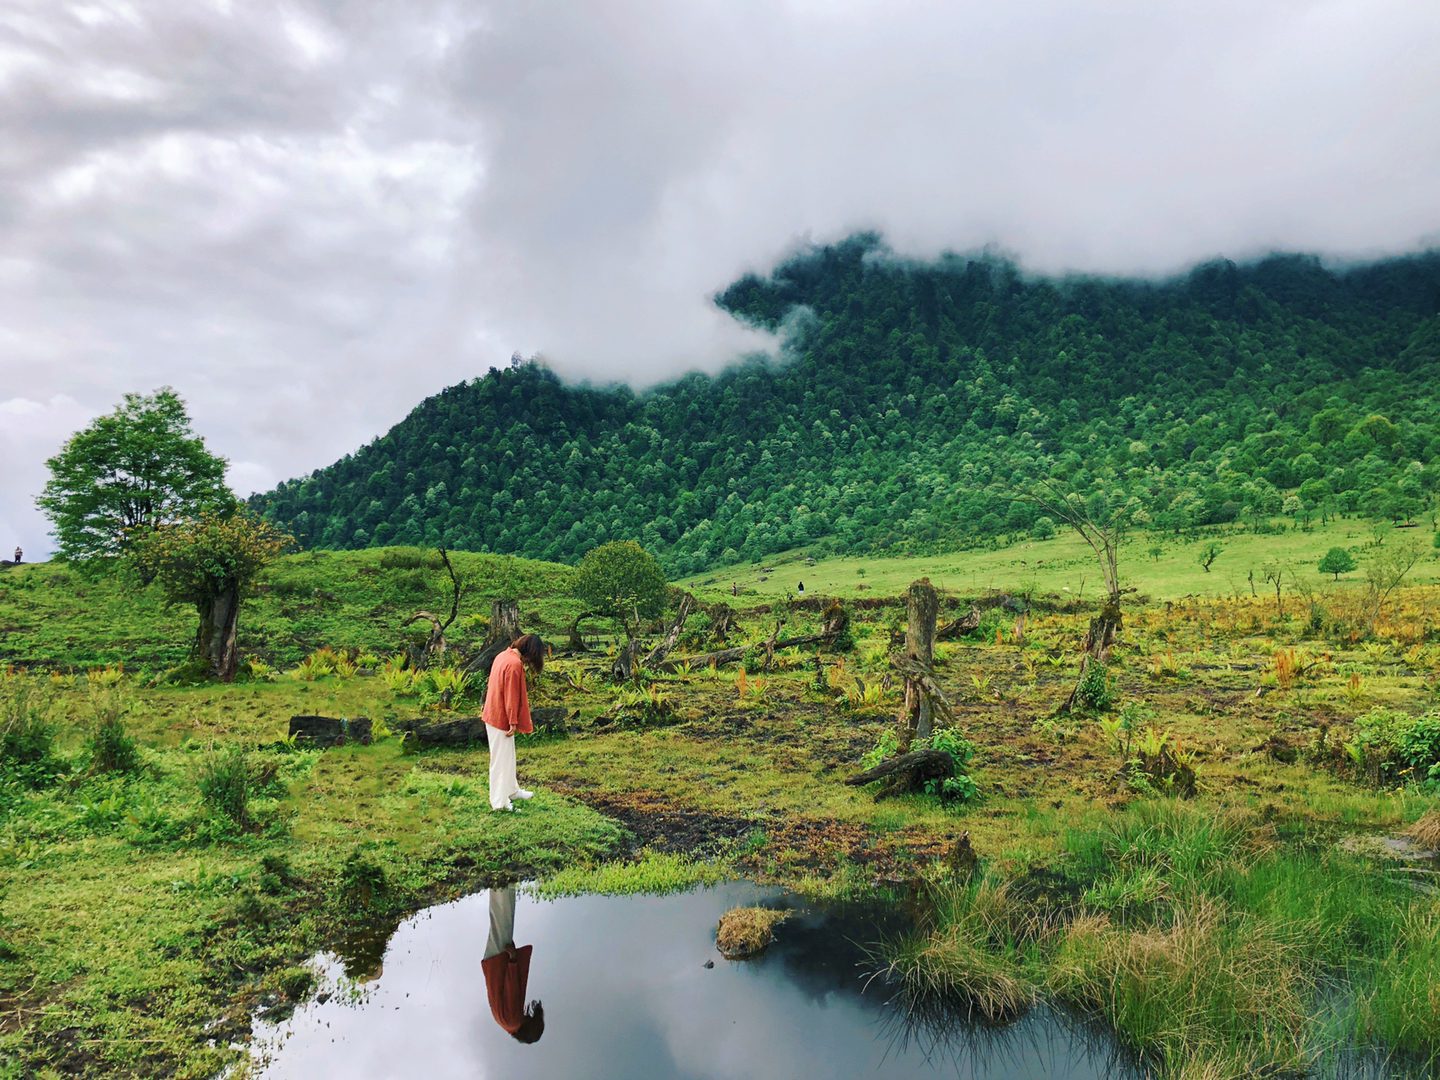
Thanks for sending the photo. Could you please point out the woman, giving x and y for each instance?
(507, 711)
(507, 970)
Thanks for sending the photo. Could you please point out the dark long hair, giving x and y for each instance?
(533, 1026)
(531, 650)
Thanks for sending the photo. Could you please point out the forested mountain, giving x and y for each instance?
(910, 401)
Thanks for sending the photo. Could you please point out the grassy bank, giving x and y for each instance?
(140, 919)
(1217, 944)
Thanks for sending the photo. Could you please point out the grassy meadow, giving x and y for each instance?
(152, 900)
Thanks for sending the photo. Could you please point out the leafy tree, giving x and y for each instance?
(212, 562)
(1338, 561)
(1208, 554)
(621, 580)
(135, 469)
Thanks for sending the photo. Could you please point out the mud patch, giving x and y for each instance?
(660, 825)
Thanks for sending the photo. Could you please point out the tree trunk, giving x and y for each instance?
(1104, 630)
(504, 621)
(626, 661)
(215, 639)
(908, 772)
(575, 641)
(662, 650)
(922, 607)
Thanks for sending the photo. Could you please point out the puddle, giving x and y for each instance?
(626, 995)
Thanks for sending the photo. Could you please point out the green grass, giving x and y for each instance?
(1208, 941)
(139, 915)
(654, 875)
(133, 914)
(55, 615)
(1052, 566)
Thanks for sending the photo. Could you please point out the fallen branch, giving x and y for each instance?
(964, 625)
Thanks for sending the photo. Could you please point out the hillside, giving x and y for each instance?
(912, 398)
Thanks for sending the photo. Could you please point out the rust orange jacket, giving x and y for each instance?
(507, 703)
(505, 979)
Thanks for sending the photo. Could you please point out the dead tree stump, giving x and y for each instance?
(504, 622)
(922, 608)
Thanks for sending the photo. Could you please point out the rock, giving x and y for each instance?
(708, 964)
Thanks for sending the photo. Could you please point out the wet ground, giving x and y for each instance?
(627, 993)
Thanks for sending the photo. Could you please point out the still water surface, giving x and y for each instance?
(626, 995)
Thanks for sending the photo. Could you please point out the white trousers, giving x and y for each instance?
(502, 921)
(502, 767)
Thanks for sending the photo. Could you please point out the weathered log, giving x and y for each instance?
(668, 642)
(553, 719)
(458, 732)
(326, 731)
(963, 625)
(922, 608)
(486, 659)
(919, 765)
(722, 657)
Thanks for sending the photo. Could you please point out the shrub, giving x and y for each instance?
(408, 558)
(1389, 744)
(361, 880)
(1095, 691)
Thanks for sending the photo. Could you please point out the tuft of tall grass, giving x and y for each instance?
(1210, 985)
(1426, 831)
(1401, 1010)
(972, 955)
(224, 782)
(112, 747)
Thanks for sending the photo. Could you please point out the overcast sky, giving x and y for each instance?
(308, 216)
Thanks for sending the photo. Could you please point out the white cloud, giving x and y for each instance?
(307, 217)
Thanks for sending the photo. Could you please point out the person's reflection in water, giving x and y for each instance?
(506, 971)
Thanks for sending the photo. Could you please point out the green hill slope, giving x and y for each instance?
(912, 398)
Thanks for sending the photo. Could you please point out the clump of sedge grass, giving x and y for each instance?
(746, 931)
(1212, 986)
(1402, 1009)
(971, 958)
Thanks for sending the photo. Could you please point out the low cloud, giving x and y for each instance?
(307, 216)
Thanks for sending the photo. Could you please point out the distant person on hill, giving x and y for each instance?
(19, 555)
(507, 970)
(506, 711)
(802, 588)
(734, 589)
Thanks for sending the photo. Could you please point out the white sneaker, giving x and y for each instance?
(507, 806)
(521, 793)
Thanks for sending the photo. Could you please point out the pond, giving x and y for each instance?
(627, 993)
